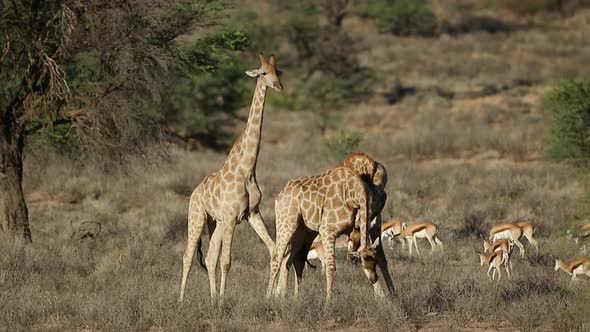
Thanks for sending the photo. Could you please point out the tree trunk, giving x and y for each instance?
(14, 215)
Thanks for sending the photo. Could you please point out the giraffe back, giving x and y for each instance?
(374, 176)
(339, 192)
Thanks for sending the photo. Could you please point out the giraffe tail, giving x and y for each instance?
(200, 256)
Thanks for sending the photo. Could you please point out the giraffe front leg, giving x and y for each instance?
(228, 237)
(383, 266)
(213, 257)
(329, 243)
(281, 288)
(255, 220)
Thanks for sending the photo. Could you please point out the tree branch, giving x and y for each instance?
(66, 116)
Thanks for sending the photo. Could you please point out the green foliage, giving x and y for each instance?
(202, 101)
(97, 79)
(567, 106)
(341, 145)
(328, 91)
(401, 17)
(319, 59)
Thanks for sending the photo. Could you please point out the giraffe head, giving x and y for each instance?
(267, 73)
(368, 258)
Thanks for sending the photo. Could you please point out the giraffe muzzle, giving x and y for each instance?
(277, 86)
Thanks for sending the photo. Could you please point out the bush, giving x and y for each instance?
(567, 106)
(401, 17)
(338, 147)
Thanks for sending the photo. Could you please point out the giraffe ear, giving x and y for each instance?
(252, 73)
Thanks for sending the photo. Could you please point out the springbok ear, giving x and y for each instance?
(272, 60)
(252, 73)
(404, 225)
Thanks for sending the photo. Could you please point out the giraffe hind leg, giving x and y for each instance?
(196, 221)
(286, 226)
(212, 258)
(228, 235)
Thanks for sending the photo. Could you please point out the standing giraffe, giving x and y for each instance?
(327, 204)
(231, 194)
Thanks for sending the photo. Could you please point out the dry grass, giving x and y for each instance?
(465, 163)
(128, 278)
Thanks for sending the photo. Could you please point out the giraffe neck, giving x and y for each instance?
(250, 139)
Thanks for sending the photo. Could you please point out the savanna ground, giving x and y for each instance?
(464, 150)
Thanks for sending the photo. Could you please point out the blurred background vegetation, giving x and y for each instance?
(198, 87)
(156, 78)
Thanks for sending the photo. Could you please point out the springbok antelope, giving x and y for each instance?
(495, 261)
(580, 234)
(502, 245)
(578, 266)
(426, 230)
(528, 230)
(391, 230)
(507, 231)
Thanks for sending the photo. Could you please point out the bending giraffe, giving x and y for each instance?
(324, 204)
(374, 175)
(231, 194)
